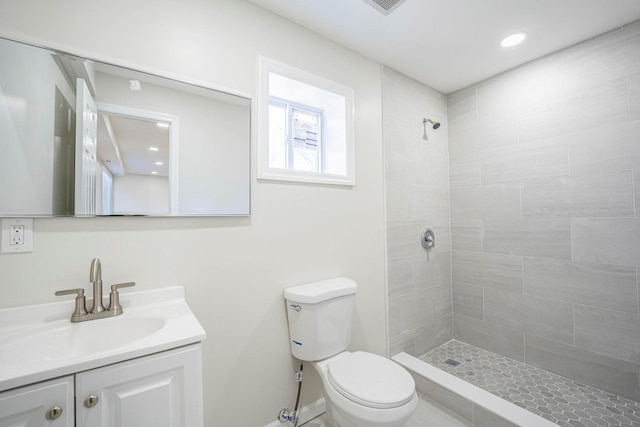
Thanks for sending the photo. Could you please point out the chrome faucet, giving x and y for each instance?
(95, 277)
(80, 313)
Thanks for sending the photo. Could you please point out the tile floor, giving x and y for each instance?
(426, 414)
(558, 399)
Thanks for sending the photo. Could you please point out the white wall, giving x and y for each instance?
(140, 194)
(234, 269)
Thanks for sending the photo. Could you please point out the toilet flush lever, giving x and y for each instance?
(295, 307)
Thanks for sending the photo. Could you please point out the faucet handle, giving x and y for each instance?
(80, 309)
(122, 285)
(114, 297)
(78, 291)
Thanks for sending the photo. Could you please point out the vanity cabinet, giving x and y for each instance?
(45, 404)
(160, 390)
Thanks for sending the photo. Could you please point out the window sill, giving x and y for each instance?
(304, 177)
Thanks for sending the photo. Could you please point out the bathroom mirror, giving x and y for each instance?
(79, 137)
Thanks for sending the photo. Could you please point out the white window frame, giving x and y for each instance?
(289, 108)
(266, 66)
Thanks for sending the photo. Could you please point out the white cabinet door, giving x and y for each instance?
(46, 404)
(86, 151)
(161, 390)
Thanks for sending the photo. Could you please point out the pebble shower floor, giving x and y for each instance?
(563, 401)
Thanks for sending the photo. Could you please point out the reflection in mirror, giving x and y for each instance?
(138, 154)
(63, 156)
(84, 138)
(147, 165)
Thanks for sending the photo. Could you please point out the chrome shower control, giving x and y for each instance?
(427, 238)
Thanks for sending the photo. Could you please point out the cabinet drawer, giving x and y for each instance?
(49, 403)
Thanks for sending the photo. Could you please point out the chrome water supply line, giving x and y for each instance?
(292, 416)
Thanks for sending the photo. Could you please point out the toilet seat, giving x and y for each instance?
(371, 380)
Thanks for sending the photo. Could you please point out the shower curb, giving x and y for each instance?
(472, 403)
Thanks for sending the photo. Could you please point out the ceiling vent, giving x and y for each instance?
(384, 6)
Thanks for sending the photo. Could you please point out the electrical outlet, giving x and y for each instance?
(17, 235)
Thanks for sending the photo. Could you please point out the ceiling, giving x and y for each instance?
(452, 44)
(124, 146)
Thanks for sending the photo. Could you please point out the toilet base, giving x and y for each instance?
(339, 418)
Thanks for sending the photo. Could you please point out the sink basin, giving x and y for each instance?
(39, 342)
(73, 340)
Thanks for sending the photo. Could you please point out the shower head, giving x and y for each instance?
(433, 123)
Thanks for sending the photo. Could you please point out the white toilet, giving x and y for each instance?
(361, 389)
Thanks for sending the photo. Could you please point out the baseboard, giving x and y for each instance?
(306, 413)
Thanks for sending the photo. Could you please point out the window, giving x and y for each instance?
(295, 137)
(305, 127)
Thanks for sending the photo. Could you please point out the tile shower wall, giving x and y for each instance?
(545, 212)
(417, 196)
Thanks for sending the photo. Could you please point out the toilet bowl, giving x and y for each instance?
(364, 390)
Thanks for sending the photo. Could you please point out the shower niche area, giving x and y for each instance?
(532, 187)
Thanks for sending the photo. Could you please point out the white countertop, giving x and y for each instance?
(38, 342)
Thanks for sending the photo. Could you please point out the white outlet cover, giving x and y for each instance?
(6, 248)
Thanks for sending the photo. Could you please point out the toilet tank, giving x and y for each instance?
(319, 316)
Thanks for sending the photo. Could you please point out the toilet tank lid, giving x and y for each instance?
(313, 293)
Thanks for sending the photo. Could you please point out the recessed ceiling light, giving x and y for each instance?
(154, 148)
(513, 39)
(159, 163)
(162, 125)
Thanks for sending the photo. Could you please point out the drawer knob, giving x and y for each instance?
(91, 401)
(53, 413)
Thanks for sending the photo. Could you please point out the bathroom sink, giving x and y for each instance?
(60, 341)
(39, 342)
